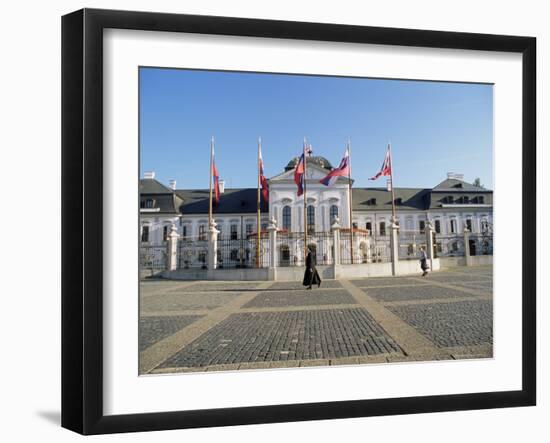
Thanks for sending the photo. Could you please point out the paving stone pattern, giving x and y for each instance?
(286, 324)
(300, 298)
(154, 329)
(465, 323)
(384, 281)
(279, 336)
(222, 286)
(419, 292)
(176, 301)
(294, 285)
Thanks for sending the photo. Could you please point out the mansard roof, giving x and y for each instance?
(232, 201)
(152, 186)
(455, 185)
(379, 199)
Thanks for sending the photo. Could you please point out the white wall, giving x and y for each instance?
(30, 153)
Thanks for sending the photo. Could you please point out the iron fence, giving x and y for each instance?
(355, 248)
(449, 245)
(192, 253)
(290, 249)
(380, 249)
(153, 257)
(481, 244)
(409, 244)
(322, 247)
(242, 252)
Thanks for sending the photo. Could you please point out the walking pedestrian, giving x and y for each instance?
(311, 276)
(424, 261)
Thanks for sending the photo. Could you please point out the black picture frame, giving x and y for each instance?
(82, 215)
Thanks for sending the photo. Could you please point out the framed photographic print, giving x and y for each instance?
(269, 221)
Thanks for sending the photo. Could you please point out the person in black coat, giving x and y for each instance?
(311, 276)
(423, 262)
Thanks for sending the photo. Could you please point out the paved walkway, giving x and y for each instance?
(208, 326)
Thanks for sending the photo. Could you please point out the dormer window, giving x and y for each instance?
(372, 202)
(450, 199)
(481, 199)
(149, 203)
(399, 201)
(465, 199)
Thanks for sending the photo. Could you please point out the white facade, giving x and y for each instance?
(323, 203)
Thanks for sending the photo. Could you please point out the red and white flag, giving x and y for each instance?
(263, 180)
(216, 177)
(299, 175)
(340, 171)
(386, 166)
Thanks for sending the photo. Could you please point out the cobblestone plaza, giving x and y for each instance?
(208, 326)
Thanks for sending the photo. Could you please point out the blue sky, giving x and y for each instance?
(434, 127)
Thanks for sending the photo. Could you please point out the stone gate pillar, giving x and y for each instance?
(467, 247)
(172, 253)
(273, 256)
(335, 228)
(212, 245)
(394, 244)
(430, 243)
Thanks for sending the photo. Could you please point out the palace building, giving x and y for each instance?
(451, 206)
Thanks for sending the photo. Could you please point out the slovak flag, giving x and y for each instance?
(299, 175)
(386, 166)
(263, 180)
(216, 177)
(340, 171)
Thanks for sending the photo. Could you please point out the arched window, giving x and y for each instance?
(287, 218)
(333, 213)
(311, 219)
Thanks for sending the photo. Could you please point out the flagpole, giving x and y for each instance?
(210, 175)
(258, 225)
(305, 202)
(392, 190)
(350, 202)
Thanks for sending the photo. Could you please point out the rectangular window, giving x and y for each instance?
(422, 226)
(149, 203)
(369, 227)
(165, 232)
(249, 228)
(480, 199)
(466, 199)
(484, 226)
(437, 227)
(382, 228)
(453, 226)
(145, 234)
(469, 224)
(184, 231)
(234, 234)
(202, 232)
